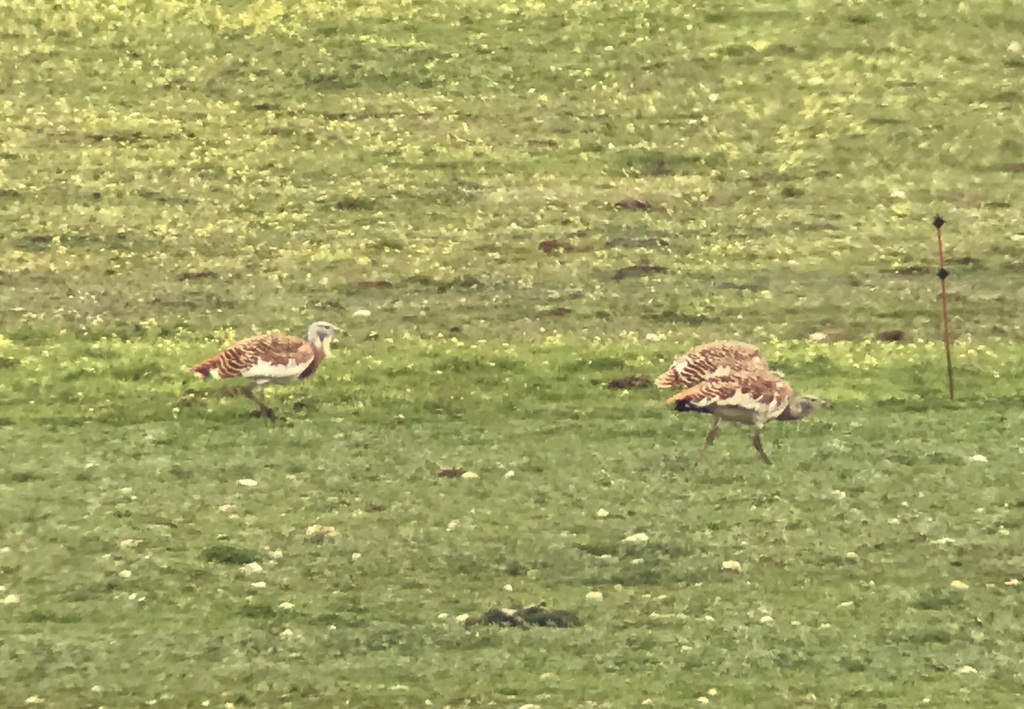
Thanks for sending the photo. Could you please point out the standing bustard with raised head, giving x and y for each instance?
(270, 359)
(711, 359)
(752, 397)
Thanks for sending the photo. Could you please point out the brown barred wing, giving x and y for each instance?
(712, 359)
(269, 356)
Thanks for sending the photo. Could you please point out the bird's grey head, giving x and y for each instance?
(802, 404)
(323, 332)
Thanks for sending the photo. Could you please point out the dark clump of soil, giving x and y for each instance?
(910, 270)
(538, 616)
(374, 508)
(192, 275)
(450, 473)
(640, 269)
(556, 311)
(366, 285)
(891, 336)
(632, 203)
(549, 246)
(631, 381)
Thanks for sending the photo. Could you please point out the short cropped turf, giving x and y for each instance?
(507, 207)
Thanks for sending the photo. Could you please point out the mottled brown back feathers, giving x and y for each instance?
(273, 349)
(707, 360)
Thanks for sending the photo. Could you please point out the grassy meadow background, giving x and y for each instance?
(508, 205)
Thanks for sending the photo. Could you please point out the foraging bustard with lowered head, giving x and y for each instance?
(710, 359)
(752, 397)
(270, 359)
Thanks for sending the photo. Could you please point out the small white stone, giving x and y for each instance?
(247, 482)
(12, 599)
(966, 670)
(712, 692)
(507, 587)
(637, 538)
(469, 475)
(276, 553)
(647, 702)
(703, 700)
(96, 688)
(846, 604)
(817, 337)
(594, 596)
(731, 565)
(1013, 47)
(442, 615)
(1011, 582)
(603, 512)
(510, 474)
(226, 508)
(259, 584)
(636, 561)
(453, 524)
(253, 567)
(462, 617)
(35, 699)
(766, 619)
(287, 605)
(978, 458)
(363, 313)
(125, 573)
(129, 543)
(356, 556)
(852, 555)
(958, 585)
(287, 633)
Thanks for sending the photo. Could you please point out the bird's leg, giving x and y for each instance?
(708, 440)
(264, 410)
(759, 448)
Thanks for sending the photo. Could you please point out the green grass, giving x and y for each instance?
(176, 175)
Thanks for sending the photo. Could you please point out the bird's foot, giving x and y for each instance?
(261, 413)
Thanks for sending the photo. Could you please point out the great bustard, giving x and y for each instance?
(270, 359)
(748, 397)
(711, 359)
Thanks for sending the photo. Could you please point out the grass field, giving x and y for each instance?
(507, 206)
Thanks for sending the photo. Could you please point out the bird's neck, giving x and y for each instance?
(794, 410)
